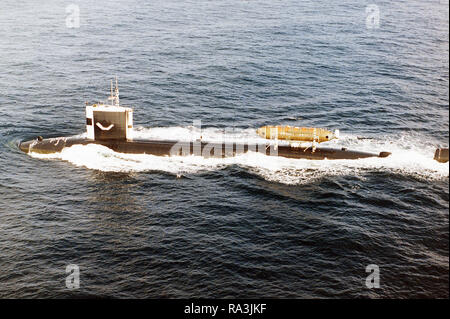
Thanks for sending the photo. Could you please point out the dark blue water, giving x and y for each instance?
(142, 226)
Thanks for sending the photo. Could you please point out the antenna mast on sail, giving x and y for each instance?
(116, 98)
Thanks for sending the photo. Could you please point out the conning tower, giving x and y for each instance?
(109, 121)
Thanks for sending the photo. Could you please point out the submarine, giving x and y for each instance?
(111, 124)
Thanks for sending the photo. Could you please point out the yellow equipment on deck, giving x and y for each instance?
(300, 134)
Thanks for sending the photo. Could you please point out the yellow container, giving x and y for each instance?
(292, 133)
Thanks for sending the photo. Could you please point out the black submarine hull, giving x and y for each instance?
(177, 148)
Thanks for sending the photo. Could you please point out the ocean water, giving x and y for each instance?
(252, 226)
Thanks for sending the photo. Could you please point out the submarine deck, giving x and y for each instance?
(201, 148)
